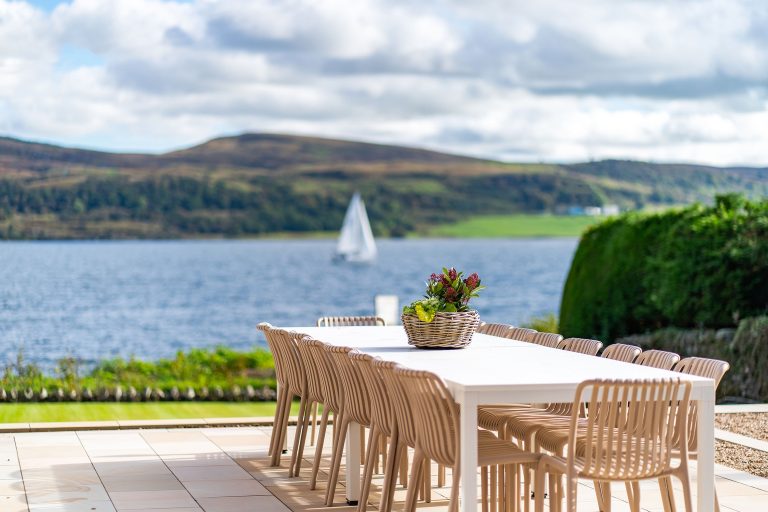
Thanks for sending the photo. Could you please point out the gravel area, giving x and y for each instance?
(752, 424)
(742, 458)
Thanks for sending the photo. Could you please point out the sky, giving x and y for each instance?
(529, 81)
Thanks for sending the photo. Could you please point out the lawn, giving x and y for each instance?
(102, 411)
(508, 226)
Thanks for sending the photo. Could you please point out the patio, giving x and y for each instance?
(220, 470)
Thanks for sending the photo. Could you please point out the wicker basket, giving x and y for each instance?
(447, 330)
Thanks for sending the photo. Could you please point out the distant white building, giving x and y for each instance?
(611, 209)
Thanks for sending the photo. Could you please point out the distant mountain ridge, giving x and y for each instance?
(260, 183)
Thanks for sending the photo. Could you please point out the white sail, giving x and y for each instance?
(356, 243)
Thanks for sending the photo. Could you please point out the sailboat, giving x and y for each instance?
(356, 243)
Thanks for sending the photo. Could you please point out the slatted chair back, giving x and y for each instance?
(356, 397)
(658, 359)
(582, 346)
(631, 430)
(382, 412)
(520, 333)
(710, 368)
(296, 381)
(404, 416)
(546, 339)
(436, 414)
(499, 330)
(330, 380)
(621, 352)
(315, 388)
(281, 375)
(350, 321)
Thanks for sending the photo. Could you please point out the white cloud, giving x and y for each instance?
(551, 80)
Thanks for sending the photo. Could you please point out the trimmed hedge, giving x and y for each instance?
(745, 348)
(700, 266)
(219, 373)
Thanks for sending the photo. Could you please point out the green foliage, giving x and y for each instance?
(745, 348)
(692, 267)
(197, 369)
(545, 323)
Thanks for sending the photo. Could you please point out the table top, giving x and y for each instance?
(491, 363)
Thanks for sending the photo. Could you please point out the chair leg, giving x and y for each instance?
(276, 422)
(277, 455)
(686, 481)
(453, 505)
(404, 467)
(338, 450)
(426, 482)
(370, 460)
(538, 488)
(603, 494)
(667, 496)
(417, 466)
(493, 496)
(297, 438)
(633, 493)
(484, 488)
(571, 488)
(319, 449)
(314, 424)
(390, 474)
(304, 430)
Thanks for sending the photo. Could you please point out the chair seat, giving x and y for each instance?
(492, 451)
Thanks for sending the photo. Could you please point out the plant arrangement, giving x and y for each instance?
(447, 292)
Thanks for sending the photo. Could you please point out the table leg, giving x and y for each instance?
(705, 457)
(352, 461)
(468, 451)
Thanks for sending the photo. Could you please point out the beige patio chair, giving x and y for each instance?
(295, 386)
(436, 417)
(308, 349)
(342, 321)
(552, 436)
(621, 352)
(657, 359)
(281, 377)
(629, 435)
(333, 394)
(500, 330)
(404, 428)
(520, 333)
(702, 367)
(357, 409)
(349, 321)
(383, 426)
(581, 346)
(546, 339)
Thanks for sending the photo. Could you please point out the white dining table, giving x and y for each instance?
(500, 370)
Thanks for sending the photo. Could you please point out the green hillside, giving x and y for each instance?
(258, 184)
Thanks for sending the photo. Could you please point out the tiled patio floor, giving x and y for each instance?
(217, 470)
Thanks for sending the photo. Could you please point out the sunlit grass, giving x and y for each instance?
(105, 411)
(502, 226)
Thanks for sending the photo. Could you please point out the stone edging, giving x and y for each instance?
(261, 421)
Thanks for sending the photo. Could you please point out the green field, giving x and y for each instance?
(105, 411)
(502, 226)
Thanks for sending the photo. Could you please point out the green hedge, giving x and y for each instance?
(219, 373)
(700, 266)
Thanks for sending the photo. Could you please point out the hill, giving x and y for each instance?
(254, 184)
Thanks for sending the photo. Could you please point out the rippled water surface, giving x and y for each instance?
(149, 299)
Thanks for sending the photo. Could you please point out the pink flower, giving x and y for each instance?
(452, 274)
(434, 277)
(472, 281)
(450, 294)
